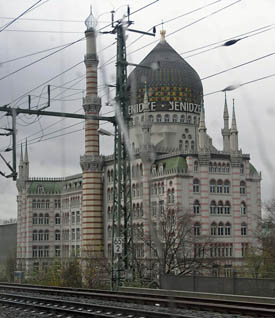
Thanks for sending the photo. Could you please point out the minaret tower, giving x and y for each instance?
(91, 161)
(226, 130)
(234, 132)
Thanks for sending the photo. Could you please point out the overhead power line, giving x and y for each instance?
(44, 31)
(20, 15)
(46, 20)
(242, 84)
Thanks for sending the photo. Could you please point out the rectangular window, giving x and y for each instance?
(34, 252)
(78, 233)
(73, 234)
(57, 251)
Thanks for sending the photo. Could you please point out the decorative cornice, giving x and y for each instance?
(92, 104)
(90, 59)
(91, 163)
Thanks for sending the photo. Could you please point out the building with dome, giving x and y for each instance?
(174, 167)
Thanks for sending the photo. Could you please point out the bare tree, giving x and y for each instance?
(175, 244)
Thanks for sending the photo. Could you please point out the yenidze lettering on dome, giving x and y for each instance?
(165, 106)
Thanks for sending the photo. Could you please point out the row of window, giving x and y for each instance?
(218, 167)
(45, 204)
(218, 186)
(166, 118)
(220, 229)
(43, 251)
(44, 235)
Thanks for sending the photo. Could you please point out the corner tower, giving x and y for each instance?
(91, 161)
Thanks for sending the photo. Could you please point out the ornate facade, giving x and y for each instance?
(174, 163)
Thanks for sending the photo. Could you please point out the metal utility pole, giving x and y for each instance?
(123, 268)
(122, 234)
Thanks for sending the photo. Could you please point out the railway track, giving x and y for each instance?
(255, 309)
(47, 305)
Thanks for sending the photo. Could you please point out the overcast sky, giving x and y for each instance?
(59, 156)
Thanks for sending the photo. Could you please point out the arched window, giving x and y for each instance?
(219, 167)
(34, 204)
(226, 186)
(47, 204)
(192, 145)
(169, 200)
(109, 231)
(196, 166)
(189, 119)
(57, 235)
(138, 211)
(180, 144)
(175, 118)
(141, 169)
(220, 207)
(219, 186)
(195, 120)
(242, 187)
(213, 207)
(133, 190)
(212, 186)
(213, 228)
(227, 207)
(186, 145)
(243, 208)
(166, 118)
(227, 229)
(151, 118)
(57, 218)
(46, 218)
(196, 207)
(40, 235)
(182, 118)
(159, 119)
(196, 185)
(243, 229)
(220, 229)
(242, 169)
(46, 235)
(141, 210)
(40, 219)
(38, 204)
(34, 235)
(34, 218)
(197, 229)
(173, 195)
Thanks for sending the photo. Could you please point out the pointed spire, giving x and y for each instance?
(234, 123)
(225, 111)
(21, 156)
(26, 157)
(202, 116)
(162, 34)
(146, 100)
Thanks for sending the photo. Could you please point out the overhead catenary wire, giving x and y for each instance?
(34, 6)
